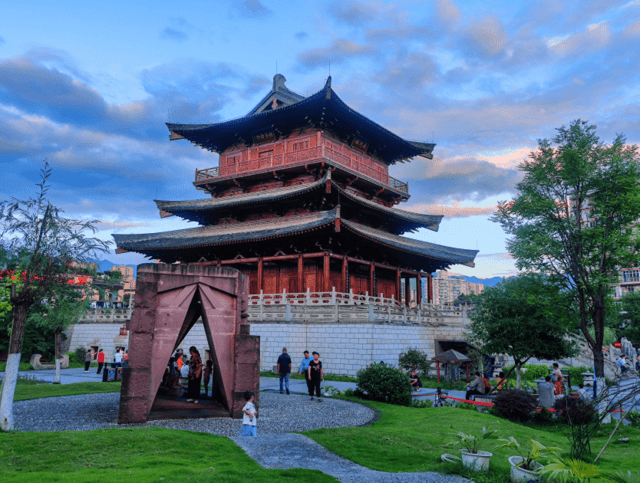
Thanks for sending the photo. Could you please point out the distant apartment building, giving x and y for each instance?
(129, 283)
(447, 287)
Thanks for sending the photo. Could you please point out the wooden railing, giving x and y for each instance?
(301, 156)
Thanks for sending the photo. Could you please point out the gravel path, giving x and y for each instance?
(279, 414)
(286, 451)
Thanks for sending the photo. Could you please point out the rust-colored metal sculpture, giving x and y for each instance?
(169, 301)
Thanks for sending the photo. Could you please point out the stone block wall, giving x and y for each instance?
(344, 348)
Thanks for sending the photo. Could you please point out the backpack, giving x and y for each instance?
(486, 383)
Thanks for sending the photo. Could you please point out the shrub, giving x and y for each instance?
(575, 373)
(634, 419)
(348, 392)
(576, 411)
(543, 418)
(467, 406)
(421, 404)
(386, 384)
(515, 405)
(414, 360)
(79, 354)
(534, 371)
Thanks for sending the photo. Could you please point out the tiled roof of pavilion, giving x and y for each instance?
(416, 247)
(323, 110)
(153, 243)
(204, 211)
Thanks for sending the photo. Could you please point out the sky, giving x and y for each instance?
(89, 86)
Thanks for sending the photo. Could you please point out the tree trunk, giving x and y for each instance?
(13, 365)
(518, 378)
(598, 356)
(58, 357)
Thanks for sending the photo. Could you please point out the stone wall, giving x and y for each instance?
(344, 347)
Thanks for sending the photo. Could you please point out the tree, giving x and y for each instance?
(37, 246)
(527, 316)
(629, 317)
(67, 304)
(414, 360)
(575, 217)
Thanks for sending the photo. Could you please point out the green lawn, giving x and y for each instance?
(24, 366)
(33, 390)
(412, 440)
(134, 454)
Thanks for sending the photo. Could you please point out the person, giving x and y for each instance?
(558, 379)
(249, 414)
(100, 361)
(501, 380)
(316, 375)
(125, 355)
(638, 364)
(118, 357)
(416, 383)
(87, 360)
(184, 372)
(546, 392)
(304, 367)
(476, 387)
(208, 371)
(194, 375)
(179, 360)
(284, 369)
(621, 363)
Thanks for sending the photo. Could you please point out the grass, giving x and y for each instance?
(412, 440)
(327, 377)
(36, 390)
(24, 366)
(134, 454)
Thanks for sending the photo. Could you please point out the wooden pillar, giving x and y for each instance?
(301, 287)
(260, 275)
(419, 290)
(344, 274)
(325, 277)
(398, 277)
(407, 291)
(430, 288)
(372, 275)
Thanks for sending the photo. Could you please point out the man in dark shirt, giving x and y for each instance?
(316, 374)
(284, 369)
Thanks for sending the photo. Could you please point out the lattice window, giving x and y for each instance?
(300, 145)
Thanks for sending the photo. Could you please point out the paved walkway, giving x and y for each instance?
(284, 451)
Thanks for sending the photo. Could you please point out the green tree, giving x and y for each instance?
(38, 247)
(414, 360)
(575, 217)
(629, 317)
(527, 316)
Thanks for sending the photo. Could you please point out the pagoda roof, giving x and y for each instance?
(322, 110)
(415, 247)
(279, 93)
(204, 211)
(153, 244)
(451, 355)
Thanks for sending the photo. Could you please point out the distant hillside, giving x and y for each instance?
(488, 282)
(105, 266)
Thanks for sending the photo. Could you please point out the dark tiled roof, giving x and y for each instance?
(410, 221)
(416, 247)
(451, 356)
(200, 210)
(203, 211)
(280, 92)
(323, 110)
(224, 234)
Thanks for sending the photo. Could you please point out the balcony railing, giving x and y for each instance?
(302, 156)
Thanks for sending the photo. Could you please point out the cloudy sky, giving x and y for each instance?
(90, 87)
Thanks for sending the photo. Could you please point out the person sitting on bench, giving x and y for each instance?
(416, 383)
(621, 363)
(476, 388)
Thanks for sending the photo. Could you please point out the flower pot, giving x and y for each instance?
(519, 474)
(476, 461)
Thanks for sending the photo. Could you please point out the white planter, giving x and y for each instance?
(476, 461)
(519, 474)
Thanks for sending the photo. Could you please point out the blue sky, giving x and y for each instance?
(89, 86)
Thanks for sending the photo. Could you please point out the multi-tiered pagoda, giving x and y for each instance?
(302, 201)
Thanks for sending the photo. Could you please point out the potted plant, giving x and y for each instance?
(472, 457)
(524, 467)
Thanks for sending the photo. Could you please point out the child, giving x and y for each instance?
(249, 417)
(207, 375)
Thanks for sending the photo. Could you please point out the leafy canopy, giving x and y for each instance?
(527, 316)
